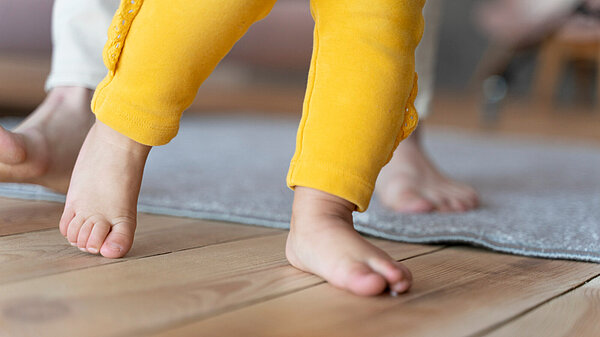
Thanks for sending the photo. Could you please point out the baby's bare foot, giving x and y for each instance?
(322, 241)
(101, 206)
(42, 150)
(411, 183)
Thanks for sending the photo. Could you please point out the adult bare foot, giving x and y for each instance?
(42, 150)
(322, 241)
(101, 206)
(411, 183)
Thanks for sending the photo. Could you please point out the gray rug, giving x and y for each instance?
(538, 199)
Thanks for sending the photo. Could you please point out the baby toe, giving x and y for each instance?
(397, 276)
(442, 203)
(73, 229)
(84, 234)
(97, 236)
(472, 198)
(363, 281)
(414, 203)
(405, 283)
(466, 195)
(119, 240)
(65, 219)
(457, 204)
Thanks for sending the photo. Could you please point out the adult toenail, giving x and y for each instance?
(93, 250)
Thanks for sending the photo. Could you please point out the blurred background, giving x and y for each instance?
(518, 66)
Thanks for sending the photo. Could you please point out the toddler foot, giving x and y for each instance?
(101, 206)
(322, 241)
(42, 150)
(411, 183)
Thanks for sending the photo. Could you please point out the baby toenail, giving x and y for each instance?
(83, 250)
(115, 246)
(93, 250)
(400, 287)
(73, 243)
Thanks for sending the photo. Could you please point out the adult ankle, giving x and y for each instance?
(78, 97)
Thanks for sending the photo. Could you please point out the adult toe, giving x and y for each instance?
(13, 147)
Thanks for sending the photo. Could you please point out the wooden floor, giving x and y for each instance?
(187, 277)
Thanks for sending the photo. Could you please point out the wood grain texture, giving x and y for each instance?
(20, 216)
(35, 254)
(457, 292)
(153, 293)
(576, 313)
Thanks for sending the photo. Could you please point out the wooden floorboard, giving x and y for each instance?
(154, 293)
(19, 216)
(34, 254)
(575, 313)
(457, 292)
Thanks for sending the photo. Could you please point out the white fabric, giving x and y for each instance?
(426, 57)
(79, 32)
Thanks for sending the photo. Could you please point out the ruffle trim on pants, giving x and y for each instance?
(118, 30)
(411, 117)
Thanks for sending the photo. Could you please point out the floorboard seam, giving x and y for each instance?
(506, 321)
(139, 258)
(224, 310)
(423, 254)
(212, 244)
(31, 231)
(242, 305)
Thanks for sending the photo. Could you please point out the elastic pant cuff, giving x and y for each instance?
(129, 121)
(332, 180)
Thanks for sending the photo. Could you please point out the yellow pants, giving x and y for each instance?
(360, 95)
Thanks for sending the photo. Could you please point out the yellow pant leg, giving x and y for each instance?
(158, 53)
(359, 102)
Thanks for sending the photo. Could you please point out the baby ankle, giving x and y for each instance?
(310, 197)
